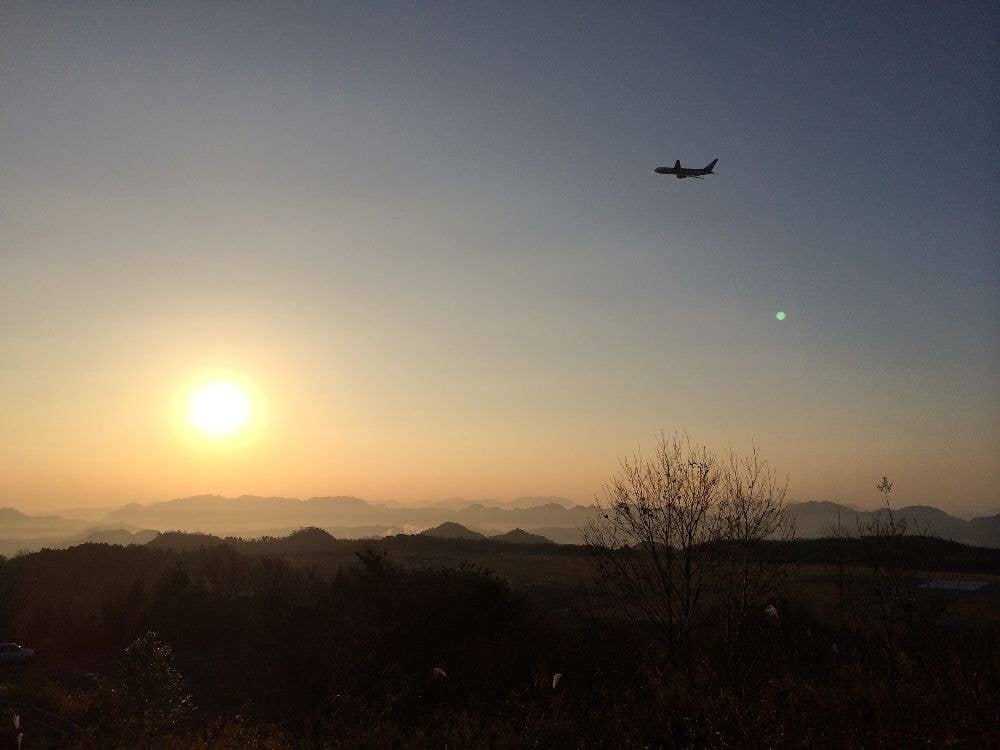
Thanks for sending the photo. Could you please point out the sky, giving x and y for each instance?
(427, 241)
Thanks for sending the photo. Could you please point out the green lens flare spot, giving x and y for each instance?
(780, 315)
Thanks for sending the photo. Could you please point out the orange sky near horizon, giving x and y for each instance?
(121, 432)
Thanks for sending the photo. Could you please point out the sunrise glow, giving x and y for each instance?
(219, 409)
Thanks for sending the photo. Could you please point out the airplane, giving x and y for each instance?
(681, 172)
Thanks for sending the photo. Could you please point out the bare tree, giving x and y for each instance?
(752, 512)
(679, 533)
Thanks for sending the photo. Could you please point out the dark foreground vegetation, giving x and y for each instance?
(213, 647)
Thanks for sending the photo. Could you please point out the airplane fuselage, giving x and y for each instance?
(681, 172)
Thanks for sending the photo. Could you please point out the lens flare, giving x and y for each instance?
(780, 315)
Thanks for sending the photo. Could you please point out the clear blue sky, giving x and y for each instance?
(431, 236)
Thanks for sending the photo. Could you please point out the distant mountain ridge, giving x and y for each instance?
(14, 525)
(815, 519)
(251, 514)
(351, 517)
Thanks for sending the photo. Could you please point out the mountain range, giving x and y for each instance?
(343, 516)
(556, 519)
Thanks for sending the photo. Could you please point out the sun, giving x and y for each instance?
(219, 409)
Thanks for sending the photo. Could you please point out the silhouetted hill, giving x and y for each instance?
(302, 542)
(306, 541)
(182, 540)
(520, 536)
(450, 530)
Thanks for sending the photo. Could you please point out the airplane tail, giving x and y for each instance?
(708, 169)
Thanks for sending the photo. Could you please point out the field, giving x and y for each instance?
(415, 641)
